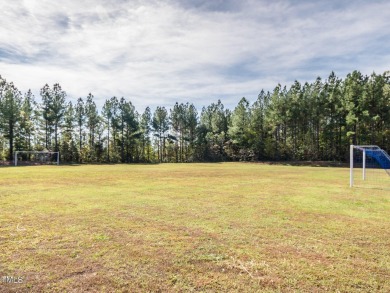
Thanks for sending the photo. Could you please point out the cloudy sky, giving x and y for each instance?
(159, 52)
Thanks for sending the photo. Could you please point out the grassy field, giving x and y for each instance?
(231, 227)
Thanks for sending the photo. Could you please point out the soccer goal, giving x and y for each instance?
(27, 158)
(369, 167)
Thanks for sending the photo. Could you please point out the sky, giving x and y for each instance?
(161, 52)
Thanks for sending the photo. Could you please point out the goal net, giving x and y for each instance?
(28, 158)
(369, 167)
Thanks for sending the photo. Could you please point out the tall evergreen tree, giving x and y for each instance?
(107, 114)
(10, 107)
(192, 124)
(92, 122)
(47, 114)
(58, 107)
(69, 151)
(258, 126)
(353, 94)
(80, 119)
(53, 109)
(215, 122)
(145, 129)
(28, 121)
(160, 124)
(240, 131)
(128, 126)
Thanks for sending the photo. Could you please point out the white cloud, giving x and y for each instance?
(158, 52)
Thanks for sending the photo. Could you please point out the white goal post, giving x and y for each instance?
(364, 157)
(42, 154)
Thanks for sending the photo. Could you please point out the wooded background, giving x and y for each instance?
(310, 121)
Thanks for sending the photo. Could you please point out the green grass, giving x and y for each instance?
(236, 227)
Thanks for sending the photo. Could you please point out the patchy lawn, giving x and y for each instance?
(191, 227)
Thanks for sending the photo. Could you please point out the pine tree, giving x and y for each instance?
(10, 107)
(80, 119)
(240, 131)
(93, 120)
(28, 120)
(160, 126)
(145, 122)
(53, 110)
(107, 115)
(69, 151)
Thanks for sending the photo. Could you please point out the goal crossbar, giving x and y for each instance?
(36, 152)
(372, 151)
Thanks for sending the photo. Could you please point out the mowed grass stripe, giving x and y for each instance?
(200, 227)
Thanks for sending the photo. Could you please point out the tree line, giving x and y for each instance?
(310, 121)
